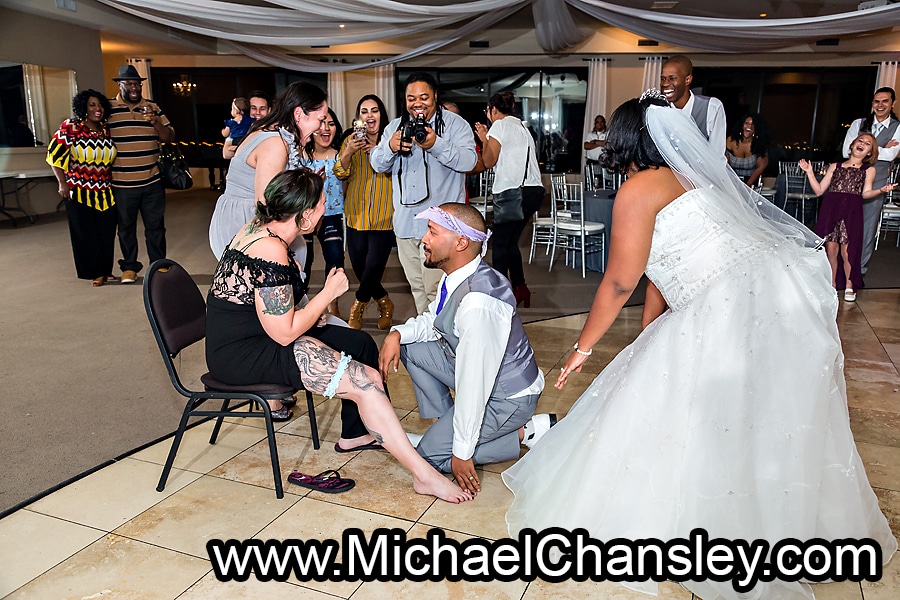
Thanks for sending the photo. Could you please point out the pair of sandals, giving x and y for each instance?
(849, 295)
(284, 413)
(103, 280)
(329, 482)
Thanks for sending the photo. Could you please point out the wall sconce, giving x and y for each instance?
(185, 86)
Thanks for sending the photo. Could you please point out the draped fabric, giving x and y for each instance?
(887, 74)
(652, 72)
(554, 27)
(337, 98)
(384, 89)
(737, 35)
(143, 68)
(266, 32)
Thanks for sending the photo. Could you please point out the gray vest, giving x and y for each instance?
(883, 167)
(699, 113)
(518, 369)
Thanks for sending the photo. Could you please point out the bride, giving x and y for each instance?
(729, 411)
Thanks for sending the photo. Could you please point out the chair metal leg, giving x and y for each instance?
(533, 242)
(176, 442)
(553, 251)
(273, 453)
(218, 425)
(313, 427)
(583, 255)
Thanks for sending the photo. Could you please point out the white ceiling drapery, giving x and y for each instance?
(265, 33)
(737, 35)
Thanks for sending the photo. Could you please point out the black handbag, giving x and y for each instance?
(174, 168)
(508, 203)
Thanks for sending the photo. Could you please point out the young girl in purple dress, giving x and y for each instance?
(845, 185)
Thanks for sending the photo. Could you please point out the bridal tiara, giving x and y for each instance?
(652, 93)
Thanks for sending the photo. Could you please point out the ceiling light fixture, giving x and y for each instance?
(341, 25)
(663, 5)
(763, 15)
(185, 86)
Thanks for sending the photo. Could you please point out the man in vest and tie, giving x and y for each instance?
(708, 113)
(470, 339)
(883, 124)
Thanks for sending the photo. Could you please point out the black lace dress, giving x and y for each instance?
(238, 349)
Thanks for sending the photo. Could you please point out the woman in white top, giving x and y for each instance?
(509, 149)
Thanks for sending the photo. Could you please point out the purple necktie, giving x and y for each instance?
(443, 296)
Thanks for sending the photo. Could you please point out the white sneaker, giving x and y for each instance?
(537, 427)
(414, 439)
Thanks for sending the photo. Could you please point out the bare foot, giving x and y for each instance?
(439, 486)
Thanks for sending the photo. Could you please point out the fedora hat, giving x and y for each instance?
(128, 73)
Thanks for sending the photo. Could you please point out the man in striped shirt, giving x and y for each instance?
(137, 126)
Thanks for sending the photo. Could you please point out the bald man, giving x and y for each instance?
(470, 339)
(707, 112)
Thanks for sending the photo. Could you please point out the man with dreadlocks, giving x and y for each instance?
(428, 167)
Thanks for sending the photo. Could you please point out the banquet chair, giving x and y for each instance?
(593, 177)
(572, 233)
(541, 233)
(482, 201)
(889, 222)
(798, 188)
(177, 313)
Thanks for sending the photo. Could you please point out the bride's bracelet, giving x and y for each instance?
(582, 352)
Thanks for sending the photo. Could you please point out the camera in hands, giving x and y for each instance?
(415, 129)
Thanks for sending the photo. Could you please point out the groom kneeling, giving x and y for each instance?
(471, 340)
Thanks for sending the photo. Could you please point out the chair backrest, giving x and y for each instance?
(558, 185)
(568, 204)
(175, 307)
(486, 182)
(592, 177)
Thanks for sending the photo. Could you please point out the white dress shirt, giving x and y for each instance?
(482, 324)
(594, 153)
(716, 127)
(885, 154)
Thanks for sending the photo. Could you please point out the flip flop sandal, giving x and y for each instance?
(329, 482)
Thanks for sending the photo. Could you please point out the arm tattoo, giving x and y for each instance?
(277, 300)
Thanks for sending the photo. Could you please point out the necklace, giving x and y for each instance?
(272, 234)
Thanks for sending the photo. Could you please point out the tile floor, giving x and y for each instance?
(111, 535)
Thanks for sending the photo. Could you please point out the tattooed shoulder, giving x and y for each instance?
(276, 300)
(252, 227)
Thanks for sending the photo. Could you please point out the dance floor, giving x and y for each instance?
(111, 535)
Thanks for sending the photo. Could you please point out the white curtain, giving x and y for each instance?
(337, 98)
(385, 88)
(143, 68)
(35, 101)
(652, 72)
(887, 74)
(596, 96)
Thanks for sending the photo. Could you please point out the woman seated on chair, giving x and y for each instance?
(258, 333)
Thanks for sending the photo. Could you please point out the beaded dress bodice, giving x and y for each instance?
(846, 180)
(691, 248)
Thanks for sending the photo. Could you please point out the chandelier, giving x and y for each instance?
(185, 86)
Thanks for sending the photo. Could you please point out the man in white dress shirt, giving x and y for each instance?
(707, 112)
(883, 124)
(470, 339)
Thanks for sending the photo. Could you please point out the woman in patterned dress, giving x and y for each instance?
(81, 154)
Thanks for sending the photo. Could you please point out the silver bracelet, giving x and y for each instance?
(582, 352)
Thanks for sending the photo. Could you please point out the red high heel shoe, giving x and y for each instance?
(523, 295)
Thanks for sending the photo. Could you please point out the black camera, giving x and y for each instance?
(415, 129)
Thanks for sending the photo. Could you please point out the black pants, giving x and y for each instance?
(362, 348)
(93, 234)
(331, 237)
(150, 201)
(505, 254)
(369, 252)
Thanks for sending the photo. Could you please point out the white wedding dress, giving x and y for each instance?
(729, 412)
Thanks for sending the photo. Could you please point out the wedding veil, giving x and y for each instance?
(697, 164)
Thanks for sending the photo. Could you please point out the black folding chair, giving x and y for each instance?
(177, 313)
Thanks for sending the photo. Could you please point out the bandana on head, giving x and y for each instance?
(448, 221)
